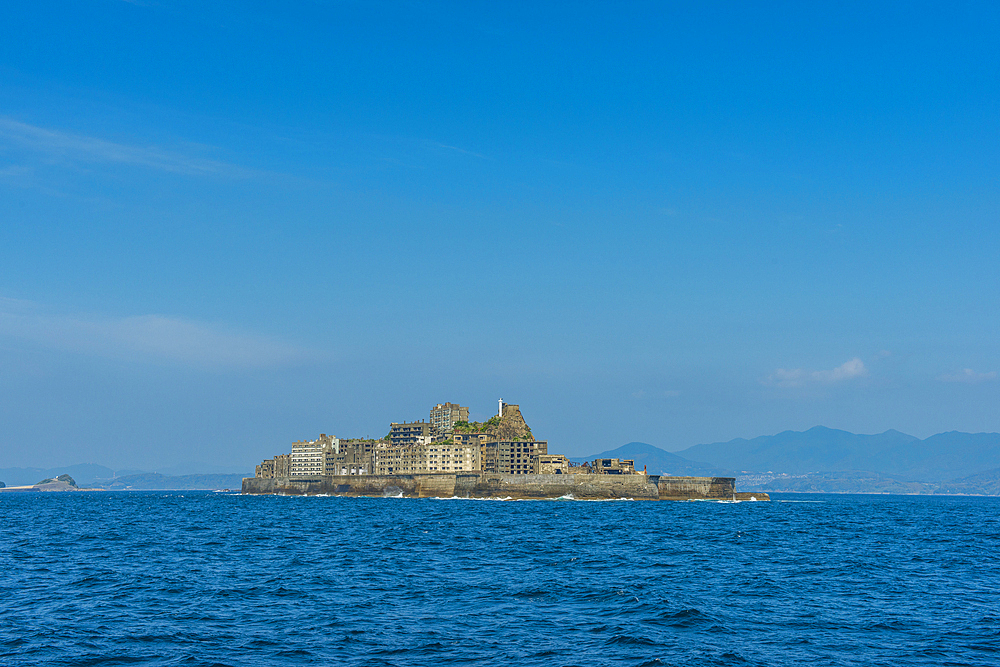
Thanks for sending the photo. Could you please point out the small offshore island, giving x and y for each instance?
(449, 456)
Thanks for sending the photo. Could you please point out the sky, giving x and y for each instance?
(225, 227)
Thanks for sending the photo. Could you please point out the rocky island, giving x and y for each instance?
(60, 483)
(449, 456)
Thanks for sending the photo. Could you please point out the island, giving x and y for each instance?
(448, 456)
(60, 483)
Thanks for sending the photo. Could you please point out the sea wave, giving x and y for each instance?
(214, 578)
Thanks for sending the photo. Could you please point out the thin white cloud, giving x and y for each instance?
(461, 150)
(147, 338)
(669, 393)
(785, 377)
(798, 377)
(968, 376)
(79, 148)
(14, 170)
(854, 368)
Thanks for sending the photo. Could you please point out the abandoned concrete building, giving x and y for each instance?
(408, 433)
(503, 445)
(444, 416)
(550, 464)
(432, 457)
(307, 455)
(614, 467)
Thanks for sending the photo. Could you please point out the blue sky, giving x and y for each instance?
(226, 228)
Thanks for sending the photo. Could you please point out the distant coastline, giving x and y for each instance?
(819, 460)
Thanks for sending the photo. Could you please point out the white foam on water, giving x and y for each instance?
(570, 496)
(798, 501)
(467, 498)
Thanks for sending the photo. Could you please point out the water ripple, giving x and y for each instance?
(209, 579)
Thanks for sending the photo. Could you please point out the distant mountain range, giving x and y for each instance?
(152, 481)
(941, 457)
(829, 460)
(85, 474)
(818, 460)
(91, 475)
(660, 462)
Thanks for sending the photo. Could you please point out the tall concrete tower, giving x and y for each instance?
(500, 410)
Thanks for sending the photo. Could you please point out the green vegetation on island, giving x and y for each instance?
(477, 427)
(512, 428)
(66, 479)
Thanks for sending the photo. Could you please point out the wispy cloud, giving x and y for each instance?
(461, 150)
(854, 368)
(147, 338)
(14, 171)
(57, 145)
(787, 377)
(798, 377)
(968, 376)
(643, 394)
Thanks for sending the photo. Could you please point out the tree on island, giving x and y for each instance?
(509, 427)
(61, 478)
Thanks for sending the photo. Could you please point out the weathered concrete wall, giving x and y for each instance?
(409, 486)
(688, 488)
(478, 485)
(581, 487)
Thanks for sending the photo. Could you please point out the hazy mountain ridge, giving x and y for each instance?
(85, 474)
(152, 481)
(825, 460)
(941, 457)
(852, 481)
(659, 462)
(92, 475)
(821, 460)
(984, 483)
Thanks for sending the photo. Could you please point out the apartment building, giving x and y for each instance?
(470, 438)
(512, 457)
(614, 467)
(308, 455)
(352, 457)
(434, 457)
(550, 464)
(279, 466)
(407, 433)
(444, 416)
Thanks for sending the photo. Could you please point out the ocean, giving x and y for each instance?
(200, 578)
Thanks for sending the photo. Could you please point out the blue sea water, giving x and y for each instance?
(194, 578)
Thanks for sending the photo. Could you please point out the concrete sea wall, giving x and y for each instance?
(696, 488)
(479, 485)
(581, 487)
